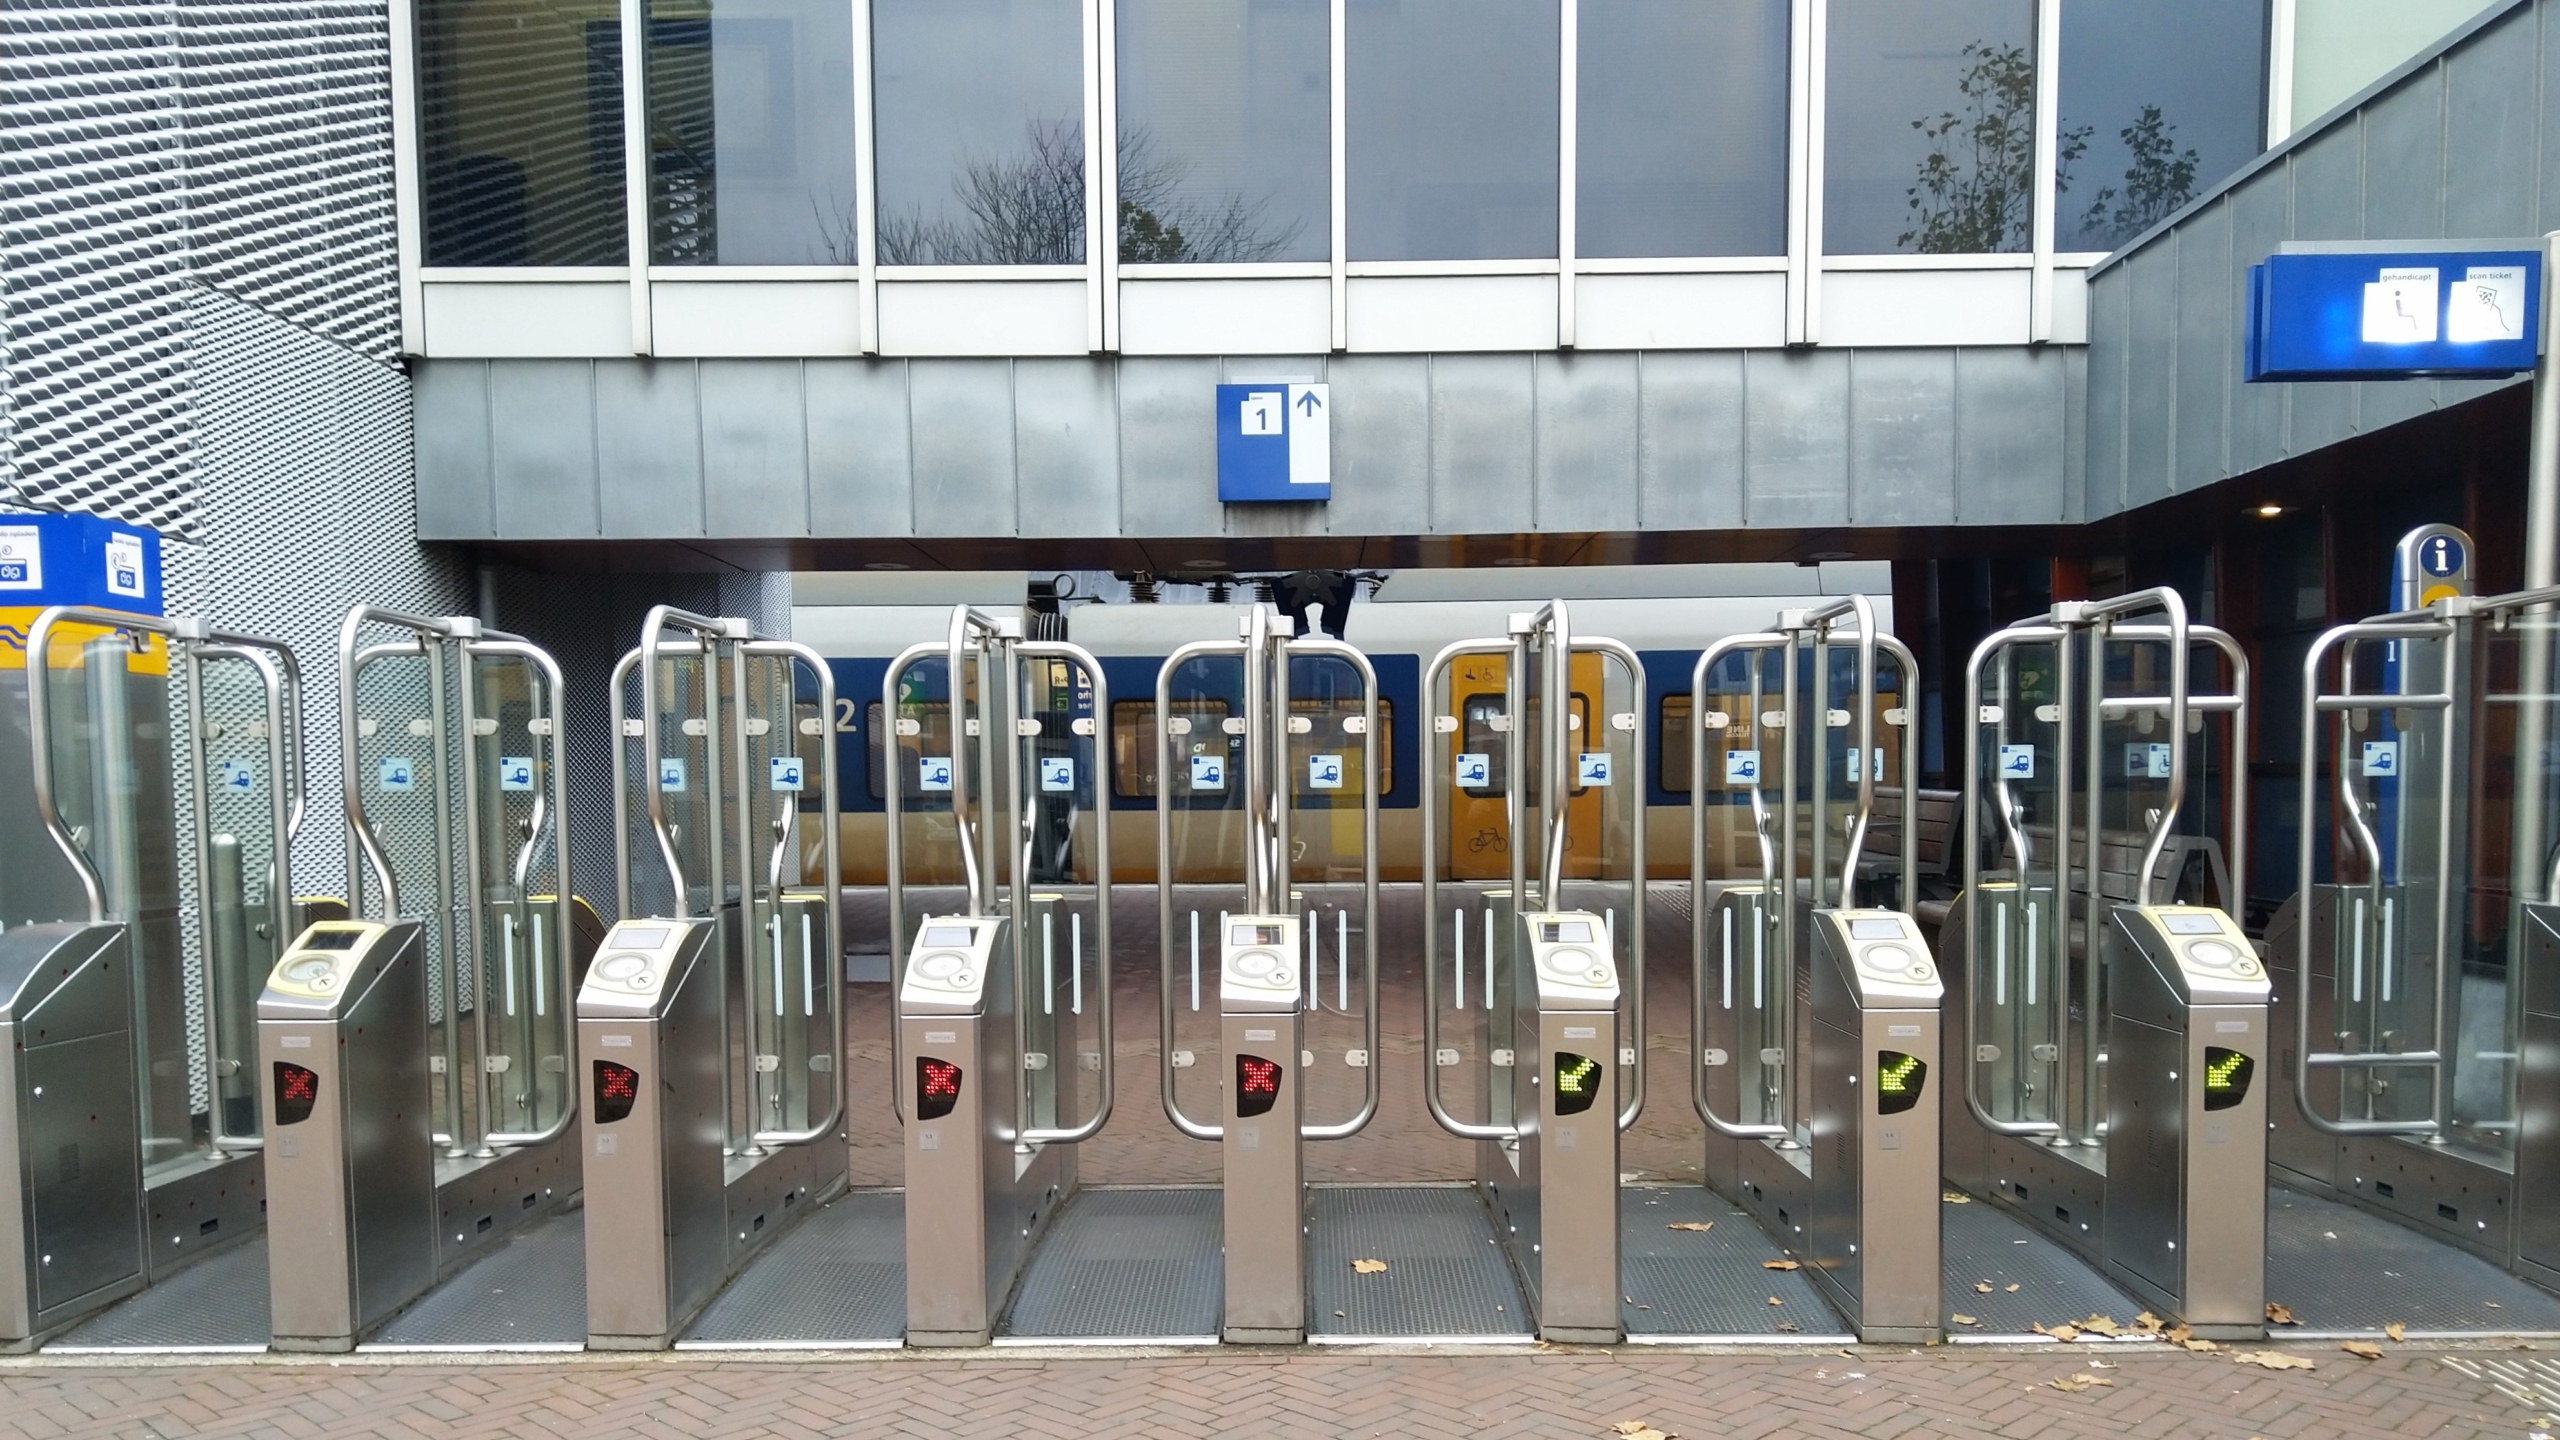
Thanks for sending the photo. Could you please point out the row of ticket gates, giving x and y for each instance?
(455, 1110)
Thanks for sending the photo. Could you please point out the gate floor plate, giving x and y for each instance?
(839, 1281)
(1708, 1284)
(1982, 1242)
(2341, 1268)
(528, 1294)
(1126, 1264)
(1446, 1277)
(215, 1305)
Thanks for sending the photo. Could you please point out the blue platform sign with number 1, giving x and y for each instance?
(1275, 442)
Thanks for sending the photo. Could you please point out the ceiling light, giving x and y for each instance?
(2270, 510)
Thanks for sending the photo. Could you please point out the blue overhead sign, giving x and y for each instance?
(2369, 315)
(1275, 442)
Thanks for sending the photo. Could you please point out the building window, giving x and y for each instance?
(1452, 128)
(1683, 128)
(2160, 99)
(979, 107)
(751, 132)
(1930, 126)
(520, 132)
(1226, 117)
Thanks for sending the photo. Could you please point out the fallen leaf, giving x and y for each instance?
(2012, 1287)
(1961, 1318)
(2074, 1384)
(1981, 1287)
(1780, 1265)
(1788, 1326)
(2274, 1360)
(2102, 1325)
(1638, 1430)
(1369, 1267)
(2100, 1365)
(2280, 1314)
(1956, 1197)
(2363, 1349)
(2199, 1346)
(1700, 1226)
(1774, 1300)
(2148, 1323)
(2396, 1331)
(2064, 1333)
(2038, 1327)
(1337, 1314)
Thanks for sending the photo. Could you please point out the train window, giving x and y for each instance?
(1133, 744)
(934, 723)
(1326, 736)
(1672, 743)
(1476, 729)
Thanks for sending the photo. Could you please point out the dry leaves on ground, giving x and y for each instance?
(2074, 1384)
(1956, 1197)
(1780, 1265)
(1369, 1267)
(2102, 1325)
(2064, 1333)
(1961, 1318)
(1639, 1430)
(1700, 1226)
(2280, 1314)
(1981, 1287)
(2397, 1331)
(1787, 1326)
(2362, 1349)
(2274, 1360)
(1774, 1300)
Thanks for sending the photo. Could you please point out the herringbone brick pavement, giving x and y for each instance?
(1872, 1395)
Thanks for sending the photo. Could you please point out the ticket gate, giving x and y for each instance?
(414, 1070)
(1265, 981)
(1561, 1078)
(2112, 1040)
(1816, 1009)
(711, 1027)
(132, 1127)
(988, 1005)
(2423, 969)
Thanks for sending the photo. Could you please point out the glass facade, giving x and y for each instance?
(751, 113)
(1682, 136)
(1226, 116)
(1929, 127)
(520, 132)
(1452, 128)
(979, 110)
(2160, 99)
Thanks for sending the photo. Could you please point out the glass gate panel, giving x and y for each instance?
(405, 779)
(526, 1030)
(1057, 752)
(244, 917)
(2017, 970)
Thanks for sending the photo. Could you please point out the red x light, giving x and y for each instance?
(617, 1090)
(297, 1090)
(1257, 1085)
(937, 1087)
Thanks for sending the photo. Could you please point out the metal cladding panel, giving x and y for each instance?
(542, 459)
(2489, 135)
(2404, 159)
(2545, 61)
(1066, 428)
(2150, 395)
(1381, 443)
(1688, 470)
(861, 479)
(2257, 415)
(2382, 404)
(1585, 475)
(755, 453)
(2328, 188)
(1795, 411)
(1483, 437)
(2075, 434)
(961, 412)
(2012, 462)
(2207, 349)
(647, 424)
(455, 499)
(1168, 482)
(2110, 359)
(1902, 437)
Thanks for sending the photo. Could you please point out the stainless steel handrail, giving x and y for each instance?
(1106, 1083)
(832, 889)
(1753, 645)
(1370, 773)
(273, 661)
(1971, 899)
(562, 909)
(1434, 764)
(1182, 655)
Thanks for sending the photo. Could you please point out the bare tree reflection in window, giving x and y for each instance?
(1028, 209)
(1975, 194)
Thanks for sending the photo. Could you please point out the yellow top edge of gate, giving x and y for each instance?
(150, 651)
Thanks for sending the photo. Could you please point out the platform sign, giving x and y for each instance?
(1275, 442)
(2398, 315)
(79, 560)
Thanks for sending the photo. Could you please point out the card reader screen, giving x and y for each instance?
(633, 937)
(940, 935)
(1875, 929)
(297, 1090)
(1257, 935)
(1571, 932)
(331, 940)
(2192, 924)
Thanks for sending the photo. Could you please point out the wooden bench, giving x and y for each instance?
(1939, 823)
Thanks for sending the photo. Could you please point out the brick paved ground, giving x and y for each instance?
(1313, 1394)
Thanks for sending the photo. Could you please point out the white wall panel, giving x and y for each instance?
(2071, 307)
(1453, 313)
(982, 317)
(1925, 307)
(1226, 317)
(1680, 312)
(756, 317)
(573, 319)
